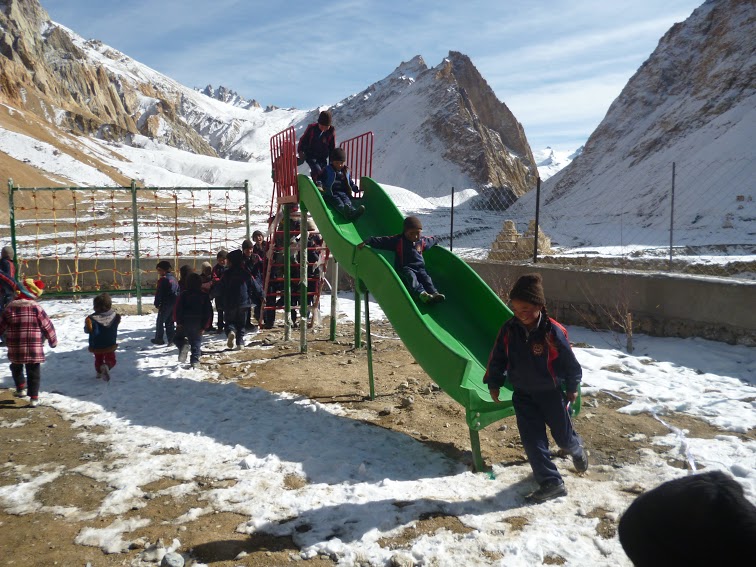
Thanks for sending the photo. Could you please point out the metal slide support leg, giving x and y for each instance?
(287, 272)
(478, 464)
(369, 345)
(357, 315)
(303, 281)
(334, 299)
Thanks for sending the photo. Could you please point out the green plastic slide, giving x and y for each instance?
(450, 340)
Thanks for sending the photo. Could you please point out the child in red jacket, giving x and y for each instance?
(26, 326)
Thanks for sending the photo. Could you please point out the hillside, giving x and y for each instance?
(691, 104)
(460, 134)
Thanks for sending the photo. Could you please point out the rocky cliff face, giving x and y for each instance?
(701, 70)
(435, 128)
(449, 108)
(229, 96)
(44, 71)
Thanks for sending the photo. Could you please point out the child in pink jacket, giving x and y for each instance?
(26, 327)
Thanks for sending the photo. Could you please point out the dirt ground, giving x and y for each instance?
(406, 401)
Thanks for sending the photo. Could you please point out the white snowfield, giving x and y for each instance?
(365, 483)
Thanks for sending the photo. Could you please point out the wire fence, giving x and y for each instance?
(683, 217)
(80, 239)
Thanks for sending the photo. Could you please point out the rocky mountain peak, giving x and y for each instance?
(410, 68)
(701, 69)
(690, 106)
(229, 96)
(449, 108)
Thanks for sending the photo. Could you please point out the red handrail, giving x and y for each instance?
(283, 157)
(359, 155)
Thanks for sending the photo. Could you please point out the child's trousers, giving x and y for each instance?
(534, 411)
(33, 377)
(417, 280)
(101, 358)
(236, 320)
(165, 323)
(341, 202)
(193, 336)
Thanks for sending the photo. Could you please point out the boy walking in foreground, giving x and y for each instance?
(102, 328)
(533, 354)
(408, 261)
(26, 326)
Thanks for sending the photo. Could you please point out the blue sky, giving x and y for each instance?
(557, 65)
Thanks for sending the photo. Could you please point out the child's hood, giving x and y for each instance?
(105, 319)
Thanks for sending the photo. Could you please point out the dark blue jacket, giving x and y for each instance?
(193, 310)
(338, 181)
(7, 281)
(533, 361)
(167, 290)
(408, 253)
(315, 144)
(237, 288)
(103, 330)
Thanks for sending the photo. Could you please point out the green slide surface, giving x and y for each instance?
(450, 340)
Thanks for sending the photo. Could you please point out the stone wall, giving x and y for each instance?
(660, 304)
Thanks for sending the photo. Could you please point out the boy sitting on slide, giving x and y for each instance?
(409, 262)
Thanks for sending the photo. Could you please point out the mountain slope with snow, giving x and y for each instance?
(691, 104)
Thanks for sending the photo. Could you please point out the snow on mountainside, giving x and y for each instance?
(550, 161)
(442, 127)
(229, 96)
(692, 103)
(445, 129)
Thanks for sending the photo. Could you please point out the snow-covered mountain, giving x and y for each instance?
(550, 161)
(435, 128)
(229, 96)
(442, 127)
(691, 104)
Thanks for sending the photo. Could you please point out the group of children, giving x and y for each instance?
(531, 353)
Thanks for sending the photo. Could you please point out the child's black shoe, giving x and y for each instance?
(580, 461)
(357, 213)
(438, 297)
(183, 353)
(547, 491)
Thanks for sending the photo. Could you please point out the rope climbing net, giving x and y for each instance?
(80, 240)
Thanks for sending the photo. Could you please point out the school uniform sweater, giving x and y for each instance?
(534, 361)
(408, 253)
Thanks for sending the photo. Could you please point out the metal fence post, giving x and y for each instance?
(537, 220)
(246, 205)
(672, 218)
(137, 266)
(451, 229)
(287, 273)
(12, 221)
